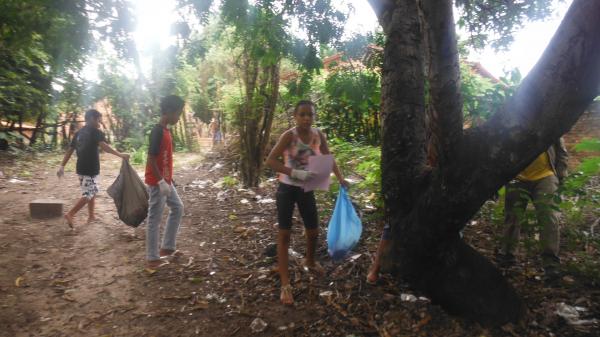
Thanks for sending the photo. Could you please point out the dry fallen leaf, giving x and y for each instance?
(18, 281)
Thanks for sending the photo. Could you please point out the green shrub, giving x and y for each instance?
(138, 157)
(229, 181)
(361, 161)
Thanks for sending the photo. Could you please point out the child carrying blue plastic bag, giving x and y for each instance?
(344, 228)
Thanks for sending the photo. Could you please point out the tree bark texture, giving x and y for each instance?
(255, 118)
(403, 106)
(428, 207)
(443, 73)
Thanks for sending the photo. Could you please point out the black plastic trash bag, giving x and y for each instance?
(130, 196)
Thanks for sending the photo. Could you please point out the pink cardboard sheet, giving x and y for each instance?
(321, 166)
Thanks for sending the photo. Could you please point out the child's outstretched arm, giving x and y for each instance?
(61, 169)
(336, 170)
(107, 148)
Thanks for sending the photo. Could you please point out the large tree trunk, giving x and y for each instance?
(428, 207)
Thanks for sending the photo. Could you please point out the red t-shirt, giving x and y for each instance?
(161, 147)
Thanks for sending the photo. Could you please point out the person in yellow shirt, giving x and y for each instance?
(538, 182)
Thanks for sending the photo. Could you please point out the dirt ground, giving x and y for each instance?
(92, 282)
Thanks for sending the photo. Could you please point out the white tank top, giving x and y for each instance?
(295, 156)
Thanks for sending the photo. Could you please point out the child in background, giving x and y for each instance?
(86, 142)
(295, 146)
(159, 178)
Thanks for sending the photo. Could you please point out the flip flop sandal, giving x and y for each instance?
(173, 255)
(154, 268)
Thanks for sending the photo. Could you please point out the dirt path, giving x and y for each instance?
(91, 281)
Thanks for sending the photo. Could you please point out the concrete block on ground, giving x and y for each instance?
(46, 208)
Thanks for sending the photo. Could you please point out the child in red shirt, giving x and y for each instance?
(159, 178)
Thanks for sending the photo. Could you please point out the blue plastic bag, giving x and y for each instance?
(344, 227)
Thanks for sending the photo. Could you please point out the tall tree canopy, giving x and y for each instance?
(262, 35)
(43, 41)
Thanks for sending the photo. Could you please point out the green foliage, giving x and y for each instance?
(481, 96)
(128, 117)
(260, 34)
(579, 204)
(232, 100)
(574, 184)
(44, 44)
(362, 161)
(200, 105)
(589, 167)
(588, 145)
(355, 47)
(494, 22)
(25, 82)
(229, 182)
(350, 108)
(139, 156)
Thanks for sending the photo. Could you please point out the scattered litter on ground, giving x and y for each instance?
(258, 325)
(571, 314)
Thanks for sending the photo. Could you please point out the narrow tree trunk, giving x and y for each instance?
(255, 118)
(38, 128)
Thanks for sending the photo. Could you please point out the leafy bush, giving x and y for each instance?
(351, 106)
(361, 161)
(229, 182)
(579, 204)
(138, 157)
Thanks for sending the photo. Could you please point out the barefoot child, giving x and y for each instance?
(295, 146)
(85, 143)
(159, 178)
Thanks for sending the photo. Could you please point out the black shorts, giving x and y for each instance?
(287, 197)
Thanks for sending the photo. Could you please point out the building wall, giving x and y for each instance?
(588, 126)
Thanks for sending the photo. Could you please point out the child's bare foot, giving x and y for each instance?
(373, 276)
(314, 267)
(69, 220)
(170, 253)
(91, 219)
(286, 297)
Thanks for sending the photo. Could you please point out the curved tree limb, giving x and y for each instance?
(426, 219)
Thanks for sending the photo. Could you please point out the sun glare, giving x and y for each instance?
(153, 30)
(530, 42)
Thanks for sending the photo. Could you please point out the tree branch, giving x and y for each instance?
(549, 101)
(383, 10)
(445, 110)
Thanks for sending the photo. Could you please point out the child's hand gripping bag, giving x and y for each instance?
(344, 228)
(130, 196)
